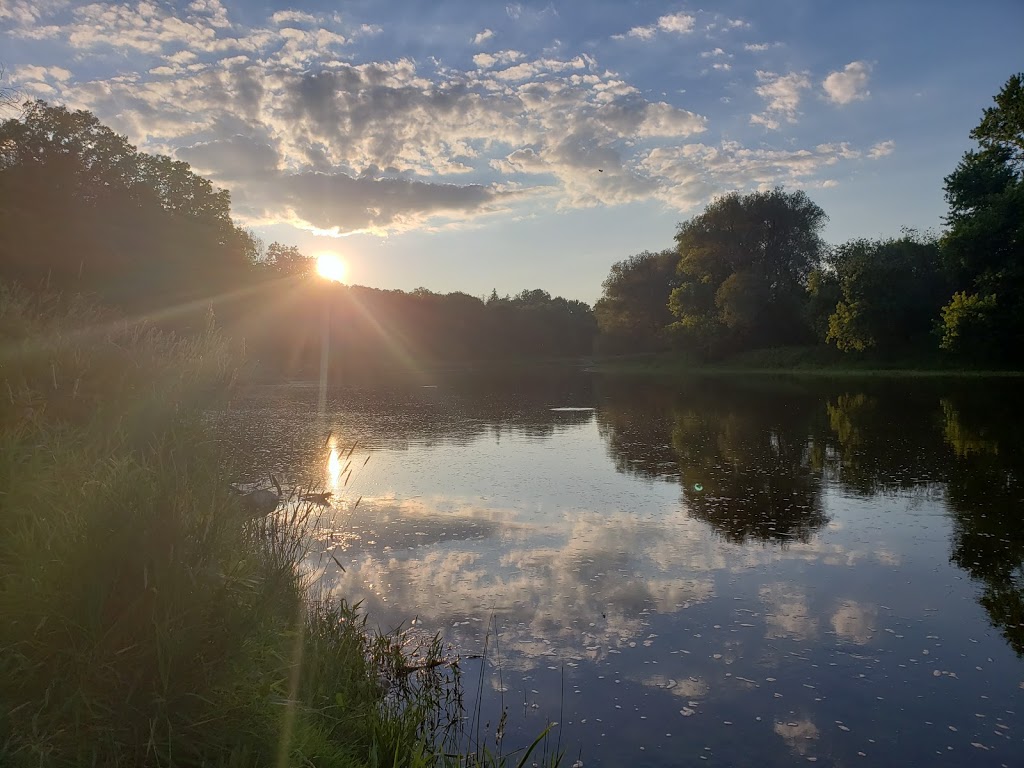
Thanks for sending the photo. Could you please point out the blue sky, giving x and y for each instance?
(465, 146)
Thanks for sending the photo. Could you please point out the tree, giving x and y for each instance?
(83, 210)
(633, 313)
(287, 259)
(983, 248)
(890, 293)
(743, 271)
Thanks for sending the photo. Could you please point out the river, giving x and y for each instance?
(712, 571)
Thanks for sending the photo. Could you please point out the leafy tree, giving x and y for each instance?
(743, 271)
(890, 292)
(984, 246)
(970, 320)
(287, 259)
(633, 312)
(83, 210)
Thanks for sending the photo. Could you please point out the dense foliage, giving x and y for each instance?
(82, 210)
(632, 314)
(984, 247)
(751, 273)
(743, 267)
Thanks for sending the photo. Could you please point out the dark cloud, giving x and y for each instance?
(232, 159)
(339, 200)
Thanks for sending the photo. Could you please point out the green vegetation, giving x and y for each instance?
(755, 287)
(633, 314)
(744, 264)
(147, 621)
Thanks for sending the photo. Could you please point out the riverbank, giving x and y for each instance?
(146, 620)
(800, 361)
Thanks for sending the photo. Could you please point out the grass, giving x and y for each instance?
(146, 621)
(804, 361)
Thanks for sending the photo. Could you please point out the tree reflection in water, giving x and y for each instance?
(753, 459)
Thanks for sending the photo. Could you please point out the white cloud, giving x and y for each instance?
(212, 11)
(763, 120)
(851, 84)
(855, 622)
(756, 47)
(53, 74)
(501, 58)
(677, 23)
(293, 17)
(299, 134)
(482, 37)
(782, 96)
(881, 149)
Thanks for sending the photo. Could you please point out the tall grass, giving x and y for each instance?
(145, 620)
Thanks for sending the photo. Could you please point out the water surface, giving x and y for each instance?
(704, 572)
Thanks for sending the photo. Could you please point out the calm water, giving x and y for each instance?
(709, 572)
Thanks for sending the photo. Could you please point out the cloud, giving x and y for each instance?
(855, 622)
(798, 734)
(675, 23)
(53, 74)
(343, 204)
(234, 158)
(881, 149)
(293, 17)
(482, 37)
(851, 84)
(782, 96)
(787, 614)
(501, 58)
(690, 174)
(299, 132)
(756, 47)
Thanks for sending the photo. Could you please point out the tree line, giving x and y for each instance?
(752, 272)
(83, 211)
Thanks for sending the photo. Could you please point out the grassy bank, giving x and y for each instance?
(804, 361)
(146, 620)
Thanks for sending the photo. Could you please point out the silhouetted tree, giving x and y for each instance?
(83, 210)
(632, 314)
(288, 260)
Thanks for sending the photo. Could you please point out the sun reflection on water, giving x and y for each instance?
(333, 466)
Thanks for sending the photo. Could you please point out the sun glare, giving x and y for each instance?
(331, 267)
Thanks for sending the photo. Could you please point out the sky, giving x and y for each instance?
(470, 145)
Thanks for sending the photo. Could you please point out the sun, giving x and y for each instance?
(331, 267)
